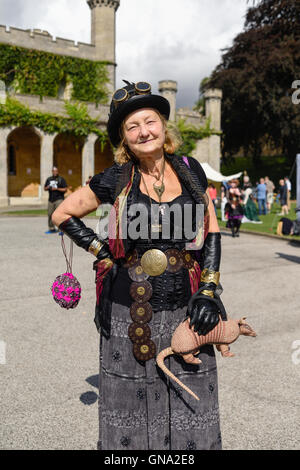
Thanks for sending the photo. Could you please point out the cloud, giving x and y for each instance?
(156, 40)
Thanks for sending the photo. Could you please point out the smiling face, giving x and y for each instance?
(144, 133)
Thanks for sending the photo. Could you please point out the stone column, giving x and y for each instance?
(4, 133)
(46, 161)
(88, 157)
(168, 89)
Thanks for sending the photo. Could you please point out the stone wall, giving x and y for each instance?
(43, 41)
(190, 116)
(56, 106)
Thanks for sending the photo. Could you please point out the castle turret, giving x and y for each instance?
(213, 99)
(168, 89)
(103, 31)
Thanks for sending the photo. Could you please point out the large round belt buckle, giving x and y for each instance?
(145, 350)
(136, 272)
(139, 333)
(141, 291)
(154, 262)
(174, 258)
(141, 313)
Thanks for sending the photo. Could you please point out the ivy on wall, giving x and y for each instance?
(78, 122)
(191, 134)
(34, 72)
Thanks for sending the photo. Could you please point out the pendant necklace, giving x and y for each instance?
(159, 191)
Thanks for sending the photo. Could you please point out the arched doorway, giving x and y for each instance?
(23, 162)
(67, 158)
(103, 157)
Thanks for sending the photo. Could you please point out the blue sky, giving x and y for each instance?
(156, 39)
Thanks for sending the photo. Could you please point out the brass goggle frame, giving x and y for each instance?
(141, 88)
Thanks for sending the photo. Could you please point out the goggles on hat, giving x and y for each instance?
(121, 95)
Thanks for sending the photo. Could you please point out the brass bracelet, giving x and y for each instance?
(95, 247)
(210, 276)
(208, 292)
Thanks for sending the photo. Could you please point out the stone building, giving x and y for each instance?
(27, 153)
(207, 150)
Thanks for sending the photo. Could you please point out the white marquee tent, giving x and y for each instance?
(214, 175)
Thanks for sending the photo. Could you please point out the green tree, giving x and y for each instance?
(256, 75)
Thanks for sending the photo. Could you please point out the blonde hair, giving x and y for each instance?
(172, 141)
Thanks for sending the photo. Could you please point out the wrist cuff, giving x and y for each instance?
(95, 247)
(210, 276)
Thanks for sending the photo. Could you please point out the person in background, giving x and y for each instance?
(261, 192)
(289, 189)
(270, 192)
(250, 209)
(234, 213)
(213, 195)
(234, 190)
(224, 201)
(56, 186)
(283, 194)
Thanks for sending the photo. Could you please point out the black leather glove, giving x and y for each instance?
(85, 237)
(205, 305)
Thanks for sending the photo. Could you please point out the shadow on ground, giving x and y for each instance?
(89, 398)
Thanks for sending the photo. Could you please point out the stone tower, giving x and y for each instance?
(209, 150)
(213, 99)
(103, 32)
(168, 89)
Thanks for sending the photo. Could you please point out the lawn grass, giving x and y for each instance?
(269, 221)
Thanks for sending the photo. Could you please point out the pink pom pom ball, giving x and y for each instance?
(66, 290)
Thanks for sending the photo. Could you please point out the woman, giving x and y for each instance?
(283, 192)
(250, 210)
(142, 299)
(234, 213)
(223, 202)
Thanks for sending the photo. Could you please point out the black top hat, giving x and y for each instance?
(131, 98)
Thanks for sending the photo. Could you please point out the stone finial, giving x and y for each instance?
(168, 89)
(106, 3)
(213, 93)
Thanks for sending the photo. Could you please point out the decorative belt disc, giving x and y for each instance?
(175, 261)
(139, 333)
(145, 350)
(141, 313)
(154, 262)
(141, 291)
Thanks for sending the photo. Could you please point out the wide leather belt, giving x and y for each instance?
(153, 262)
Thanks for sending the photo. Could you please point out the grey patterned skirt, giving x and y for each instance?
(139, 407)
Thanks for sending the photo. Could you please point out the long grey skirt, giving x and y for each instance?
(139, 407)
